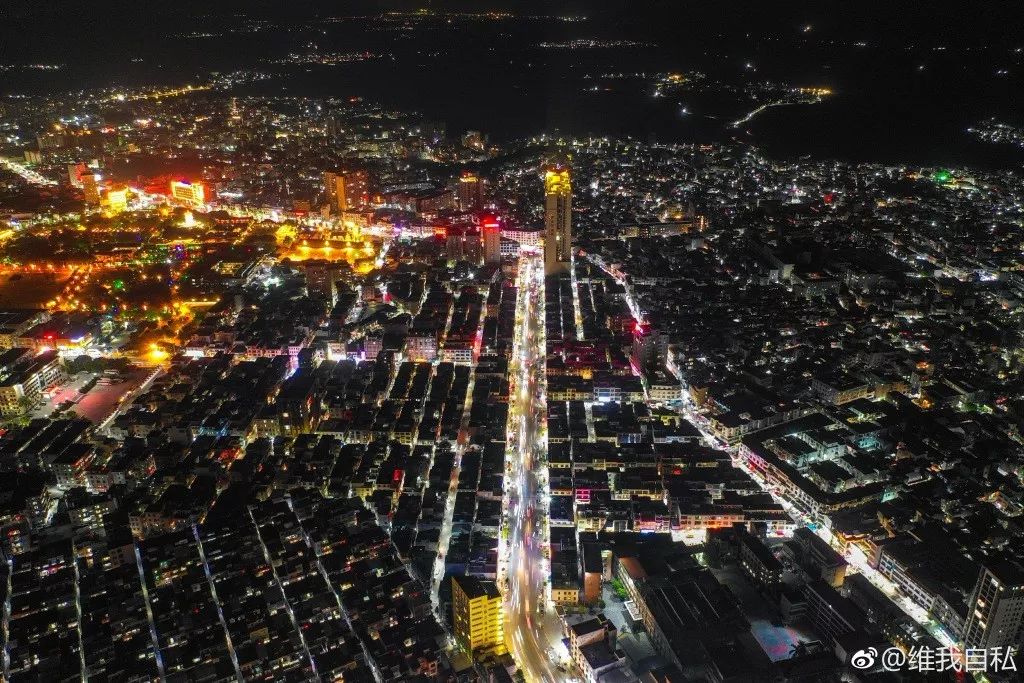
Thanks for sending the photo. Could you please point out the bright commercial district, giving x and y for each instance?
(531, 626)
(533, 630)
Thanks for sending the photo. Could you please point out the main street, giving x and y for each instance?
(531, 628)
(26, 173)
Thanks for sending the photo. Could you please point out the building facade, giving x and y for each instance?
(490, 228)
(190, 194)
(996, 609)
(477, 614)
(557, 218)
(470, 191)
(346, 190)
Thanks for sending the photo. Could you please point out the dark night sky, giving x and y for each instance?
(899, 99)
(34, 22)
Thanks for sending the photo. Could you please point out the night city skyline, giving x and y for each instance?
(547, 342)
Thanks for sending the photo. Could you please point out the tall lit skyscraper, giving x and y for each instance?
(332, 183)
(557, 216)
(346, 190)
(91, 188)
(470, 191)
(491, 236)
(996, 610)
(650, 348)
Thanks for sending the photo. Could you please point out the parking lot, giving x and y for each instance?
(70, 391)
(776, 639)
(100, 401)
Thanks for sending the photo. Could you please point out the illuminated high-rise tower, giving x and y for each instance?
(346, 190)
(996, 608)
(470, 191)
(490, 234)
(91, 188)
(557, 216)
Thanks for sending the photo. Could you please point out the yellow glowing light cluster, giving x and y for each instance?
(116, 201)
(556, 181)
(157, 354)
(285, 233)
